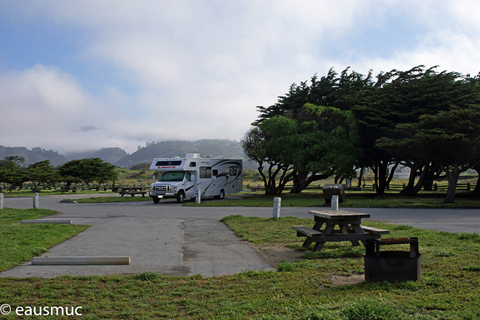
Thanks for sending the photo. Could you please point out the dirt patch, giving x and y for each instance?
(280, 253)
(343, 280)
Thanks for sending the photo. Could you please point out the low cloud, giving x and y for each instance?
(88, 128)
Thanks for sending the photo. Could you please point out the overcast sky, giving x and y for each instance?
(87, 74)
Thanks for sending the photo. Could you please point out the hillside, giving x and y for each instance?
(119, 157)
(166, 149)
(34, 155)
(111, 155)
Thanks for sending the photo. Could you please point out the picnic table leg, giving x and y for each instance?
(307, 242)
(318, 246)
(358, 229)
(348, 229)
(328, 230)
(318, 225)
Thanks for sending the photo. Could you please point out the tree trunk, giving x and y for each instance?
(381, 177)
(270, 180)
(452, 185)
(412, 189)
(360, 177)
(303, 180)
(299, 182)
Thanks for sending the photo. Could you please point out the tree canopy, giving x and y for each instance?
(43, 174)
(418, 118)
(88, 170)
(320, 142)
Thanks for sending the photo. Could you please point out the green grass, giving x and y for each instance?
(21, 242)
(112, 199)
(30, 193)
(449, 289)
(353, 200)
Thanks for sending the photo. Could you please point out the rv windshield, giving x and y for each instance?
(172, 176)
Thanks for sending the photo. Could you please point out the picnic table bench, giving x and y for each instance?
(67, 189)
(349, 229)
(132, 191)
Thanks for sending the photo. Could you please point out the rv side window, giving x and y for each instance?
(193, 164)
(233, 171)
(205, 172)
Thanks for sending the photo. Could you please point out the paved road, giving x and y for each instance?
(170, 239)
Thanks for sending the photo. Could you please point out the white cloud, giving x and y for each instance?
(45, 107)
(197, 69)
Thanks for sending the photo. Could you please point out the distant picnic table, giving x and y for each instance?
(132, 191)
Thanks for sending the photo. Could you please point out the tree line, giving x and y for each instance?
(340, 124)
(42, 174)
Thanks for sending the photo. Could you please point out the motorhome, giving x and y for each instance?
(185, 178)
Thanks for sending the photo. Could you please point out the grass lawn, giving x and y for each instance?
(316, 199)
(21, 242)
(30, 193)
(304, 289)
(353, 200)
(112, 199)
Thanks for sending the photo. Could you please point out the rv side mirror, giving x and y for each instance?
(193, 177)
(153, 177)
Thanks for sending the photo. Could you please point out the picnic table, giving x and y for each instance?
(349, 229)
(132, 191)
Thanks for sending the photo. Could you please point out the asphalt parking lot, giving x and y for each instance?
(171, 239)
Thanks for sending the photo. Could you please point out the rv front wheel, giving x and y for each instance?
(221, 195)
(156, 199)
(181, 197)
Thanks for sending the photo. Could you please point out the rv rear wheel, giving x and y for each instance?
(181, 197)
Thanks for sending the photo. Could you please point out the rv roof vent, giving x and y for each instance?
(192, 155)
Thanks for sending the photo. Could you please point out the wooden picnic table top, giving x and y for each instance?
(338, 214)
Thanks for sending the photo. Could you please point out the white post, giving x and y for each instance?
(198, 196)
(1, 201)
(335, 203)
(36, 201)
(277, 204)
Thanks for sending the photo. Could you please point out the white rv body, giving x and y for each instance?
(182, 178)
